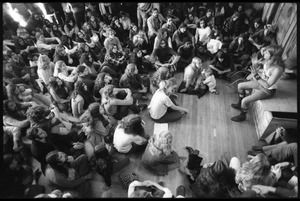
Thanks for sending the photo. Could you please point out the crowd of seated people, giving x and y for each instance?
(77, 89)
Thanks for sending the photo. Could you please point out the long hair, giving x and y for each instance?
(276, 55)
(108, 91)
(99, 82)
(67, 41)
(58, 67)
(132, 124)
(94, 110)
(53, 84)
(43, 62)
(161, 32)
(54, 162)
(161, 143)
(13, 113)
(256, 171)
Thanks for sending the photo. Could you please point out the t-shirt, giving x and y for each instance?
(159, 104)
(123, 142)
(214, 46)
(203, 33)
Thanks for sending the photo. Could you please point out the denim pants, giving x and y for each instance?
(261, 93)
(282, 151)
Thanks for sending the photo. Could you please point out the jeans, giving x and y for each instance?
(282, 151)
(261, 93)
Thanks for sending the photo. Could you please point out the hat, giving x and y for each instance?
(80, 68)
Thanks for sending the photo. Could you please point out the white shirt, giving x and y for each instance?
(132, 185)
(159, 104)
(214, 46)
(210, 82)
(122, 141)
(203, 33)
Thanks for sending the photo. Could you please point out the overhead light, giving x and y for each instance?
(16, 15)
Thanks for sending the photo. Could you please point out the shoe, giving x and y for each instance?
(239, 118)
(236, 106)
(142, 107)
(180, 191)
(190, 150)
(257, 148)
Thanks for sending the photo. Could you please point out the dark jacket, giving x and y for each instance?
(214, 181)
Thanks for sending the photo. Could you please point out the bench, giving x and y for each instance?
(280, 110)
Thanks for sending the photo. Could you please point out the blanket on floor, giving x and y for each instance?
(199, 92)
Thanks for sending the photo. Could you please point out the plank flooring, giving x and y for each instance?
(207, 127)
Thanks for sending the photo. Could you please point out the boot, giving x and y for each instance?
(240, 117)
(238, 105)
(190, 150)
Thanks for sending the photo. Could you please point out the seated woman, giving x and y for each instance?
(117, 102)
(61, 70)
(131, 79)
(67, 172)
(162, 73)
(130, 136)
(59, 94)
(80, 98)
(45, 68)
(102, 80)
(141, 60)
(70, 28)
(140, 40)
(70, 58)
(192, 75)
(266, 85)
(24, 93)
(162, 108)
(162, 34)
(160, 157)
(240, 50)
(96, 127)
(221, 65)
(115, 59)
(15, 121)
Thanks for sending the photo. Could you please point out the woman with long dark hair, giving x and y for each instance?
(59, 94)
(70, 28)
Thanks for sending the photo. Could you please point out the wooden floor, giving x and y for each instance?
(207, 127)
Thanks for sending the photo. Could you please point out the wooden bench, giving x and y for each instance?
(280, 110)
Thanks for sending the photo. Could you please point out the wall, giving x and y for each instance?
(284, 15)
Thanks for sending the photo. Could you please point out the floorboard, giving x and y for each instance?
(207, 127)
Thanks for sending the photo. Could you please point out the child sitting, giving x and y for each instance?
(192, 74)
(210, 81)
